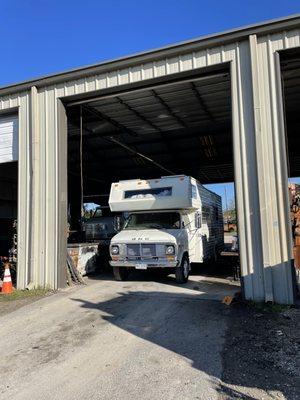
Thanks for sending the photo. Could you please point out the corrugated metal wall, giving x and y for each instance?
(258, 134)
(21, 103)
(272, 163)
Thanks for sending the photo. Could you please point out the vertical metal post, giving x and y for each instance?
(81, 167)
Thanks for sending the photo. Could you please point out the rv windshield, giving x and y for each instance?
(158, 220)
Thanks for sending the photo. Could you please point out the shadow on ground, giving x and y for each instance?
(194, 329)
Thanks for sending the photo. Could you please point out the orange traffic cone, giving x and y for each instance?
(7, 284)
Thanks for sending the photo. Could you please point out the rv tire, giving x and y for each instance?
(183, 270)
(120, 273)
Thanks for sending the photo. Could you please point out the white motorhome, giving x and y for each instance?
(172, 221)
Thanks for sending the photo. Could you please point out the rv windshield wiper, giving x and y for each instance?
(135, 228)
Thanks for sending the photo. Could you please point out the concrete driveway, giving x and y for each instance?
(139, 339)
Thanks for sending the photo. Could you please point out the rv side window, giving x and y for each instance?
(205, 214)
(198, 220)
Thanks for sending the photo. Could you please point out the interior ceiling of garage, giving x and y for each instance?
(290, 67)
(184, 127)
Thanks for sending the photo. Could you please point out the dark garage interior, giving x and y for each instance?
(290, 70)
(166, 129)
(8, 204)
(181, 128)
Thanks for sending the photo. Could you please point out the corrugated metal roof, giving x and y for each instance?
(193, 116)
(203, 41)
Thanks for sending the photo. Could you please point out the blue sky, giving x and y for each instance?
(41, 37)
(46, 36)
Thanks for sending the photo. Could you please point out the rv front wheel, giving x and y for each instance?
(120, 273)
(182, 272)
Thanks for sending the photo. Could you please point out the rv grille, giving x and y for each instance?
(141, 250)
(133, 250)
(148, 250)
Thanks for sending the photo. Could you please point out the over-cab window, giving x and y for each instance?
(148, 193)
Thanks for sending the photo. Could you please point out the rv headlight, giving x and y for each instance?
(170, 250)
(115, 249)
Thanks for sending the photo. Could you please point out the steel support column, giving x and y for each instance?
(272, 167)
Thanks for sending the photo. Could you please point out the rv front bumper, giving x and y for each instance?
(144, 264)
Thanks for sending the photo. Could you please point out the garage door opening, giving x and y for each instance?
(290, 71)
(178, 128)
(8, 193)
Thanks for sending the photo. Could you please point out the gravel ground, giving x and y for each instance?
(261, 355)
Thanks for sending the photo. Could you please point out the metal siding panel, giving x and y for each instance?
(186, 62)
(276, 41)
(228, 52)
(215, 55)
(24, 195)
(5, 103)
(41, 276)
(112, 79)
(246, 175)
(173, 65)
(79, 86)
(271, 154)
(136, 74)
(148, 71)
(61, 89)
(51, 206)
(70, 88)
(90, 84)
(101, 82)
(61, 190)
(124, 76)
(21, 101)
(35, 210)
(292, 38)
(160, 68)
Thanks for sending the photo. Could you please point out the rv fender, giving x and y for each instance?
(185, 254)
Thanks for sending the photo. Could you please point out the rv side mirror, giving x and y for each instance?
(182, 224)
(117, 224)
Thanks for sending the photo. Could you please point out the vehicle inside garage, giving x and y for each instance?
(178, 128)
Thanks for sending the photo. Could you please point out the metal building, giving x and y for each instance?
(255, 57)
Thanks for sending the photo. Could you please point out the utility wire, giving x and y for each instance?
(131, 150)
